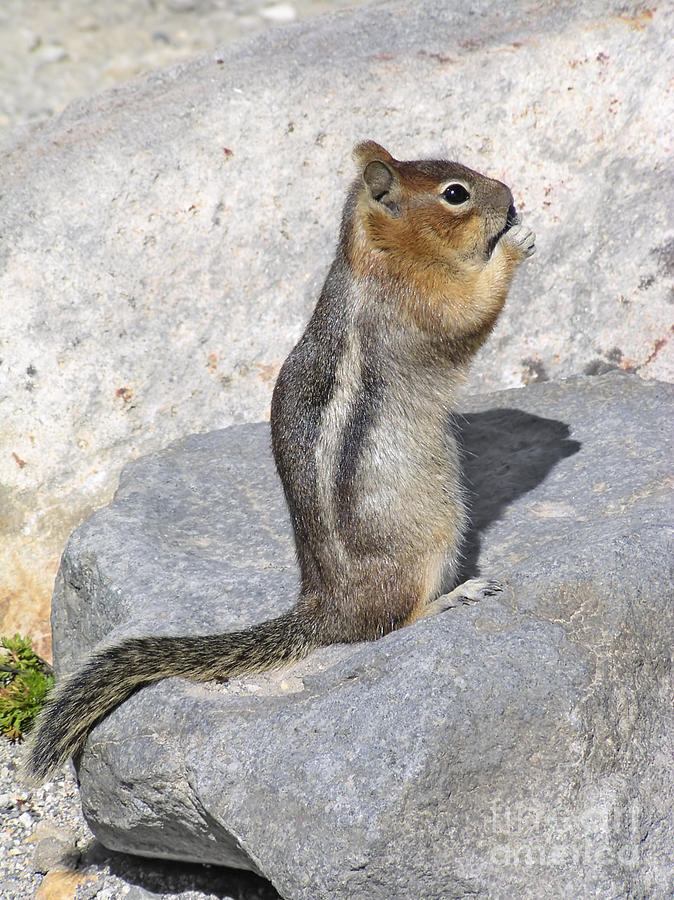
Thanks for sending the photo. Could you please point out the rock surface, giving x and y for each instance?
(56, 52)
(521, 748)
(163, 243)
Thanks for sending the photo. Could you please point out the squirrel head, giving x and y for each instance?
(425, 212)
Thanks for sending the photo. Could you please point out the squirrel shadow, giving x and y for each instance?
(504, 453)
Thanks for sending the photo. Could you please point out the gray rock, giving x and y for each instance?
(516, 749)
(162, 244)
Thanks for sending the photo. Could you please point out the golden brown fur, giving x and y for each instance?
(360, 433)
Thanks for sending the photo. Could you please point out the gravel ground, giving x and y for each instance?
(51, 53)
(47, 852)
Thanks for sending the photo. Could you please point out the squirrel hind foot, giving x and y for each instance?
(471, 591)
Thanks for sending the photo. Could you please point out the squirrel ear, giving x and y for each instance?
(367, 151)
(379, 175)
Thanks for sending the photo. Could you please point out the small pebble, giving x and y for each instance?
(51, 53)
(279, 13)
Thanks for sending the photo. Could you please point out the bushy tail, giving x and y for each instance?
(109, 676)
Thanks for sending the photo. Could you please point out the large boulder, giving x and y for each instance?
(163, 243)
(519, 748)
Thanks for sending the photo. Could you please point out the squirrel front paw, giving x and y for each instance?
(521, 240)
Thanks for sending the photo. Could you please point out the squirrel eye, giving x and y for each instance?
(455, 194)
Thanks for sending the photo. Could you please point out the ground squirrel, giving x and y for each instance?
(360, 435)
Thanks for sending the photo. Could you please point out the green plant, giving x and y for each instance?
(25, 680)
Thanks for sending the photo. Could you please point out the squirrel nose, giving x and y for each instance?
(504, 198)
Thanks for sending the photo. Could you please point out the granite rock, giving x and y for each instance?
(163, 243)
(519, 748)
